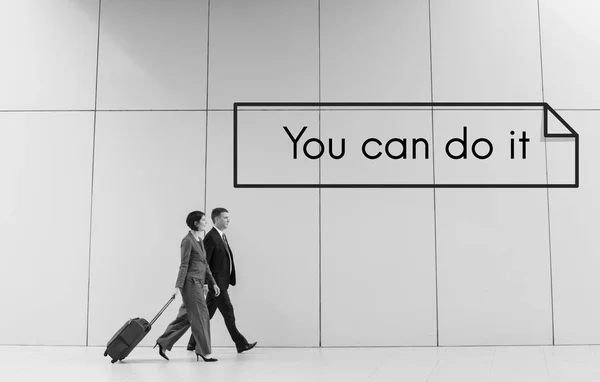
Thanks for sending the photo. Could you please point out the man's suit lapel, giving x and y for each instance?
(223, 252)
(227, 252)
(218, 238)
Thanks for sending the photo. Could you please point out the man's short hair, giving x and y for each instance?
(216, 212)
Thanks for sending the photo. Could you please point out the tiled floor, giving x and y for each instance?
(460, 364)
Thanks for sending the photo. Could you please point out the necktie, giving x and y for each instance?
(228, 251)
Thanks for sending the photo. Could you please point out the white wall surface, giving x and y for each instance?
(375, 51)
(48, 54)
(45, 162)
(331, 267)
(378, 268)
(485, 51)
(570, 38)
(574, 237)
(152, 55)
(263, 51)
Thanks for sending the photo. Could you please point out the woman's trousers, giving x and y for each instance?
(193, 312)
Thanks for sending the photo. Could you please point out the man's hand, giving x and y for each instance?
(217, 290)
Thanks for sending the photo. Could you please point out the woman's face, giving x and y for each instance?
(202, 223)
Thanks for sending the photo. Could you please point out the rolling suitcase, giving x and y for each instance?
(130, 334)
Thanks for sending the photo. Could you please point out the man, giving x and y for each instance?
(220, 261)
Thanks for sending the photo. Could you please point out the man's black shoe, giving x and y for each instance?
(246, 347)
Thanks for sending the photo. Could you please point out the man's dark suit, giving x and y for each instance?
(218, 255)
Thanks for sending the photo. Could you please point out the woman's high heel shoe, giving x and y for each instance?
(205, 359)
(161, 351)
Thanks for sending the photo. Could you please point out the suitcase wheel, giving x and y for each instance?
(105, 353)
(113, 360)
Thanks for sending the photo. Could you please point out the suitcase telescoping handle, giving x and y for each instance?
(162, 310)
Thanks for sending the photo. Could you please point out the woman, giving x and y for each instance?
(193, 271)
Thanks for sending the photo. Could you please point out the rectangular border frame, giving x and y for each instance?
(546, 107)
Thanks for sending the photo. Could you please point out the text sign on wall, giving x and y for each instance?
(402, 145)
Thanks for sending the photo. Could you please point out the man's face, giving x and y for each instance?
(222, 221)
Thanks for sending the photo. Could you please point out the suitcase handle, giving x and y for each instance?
(163, 309)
